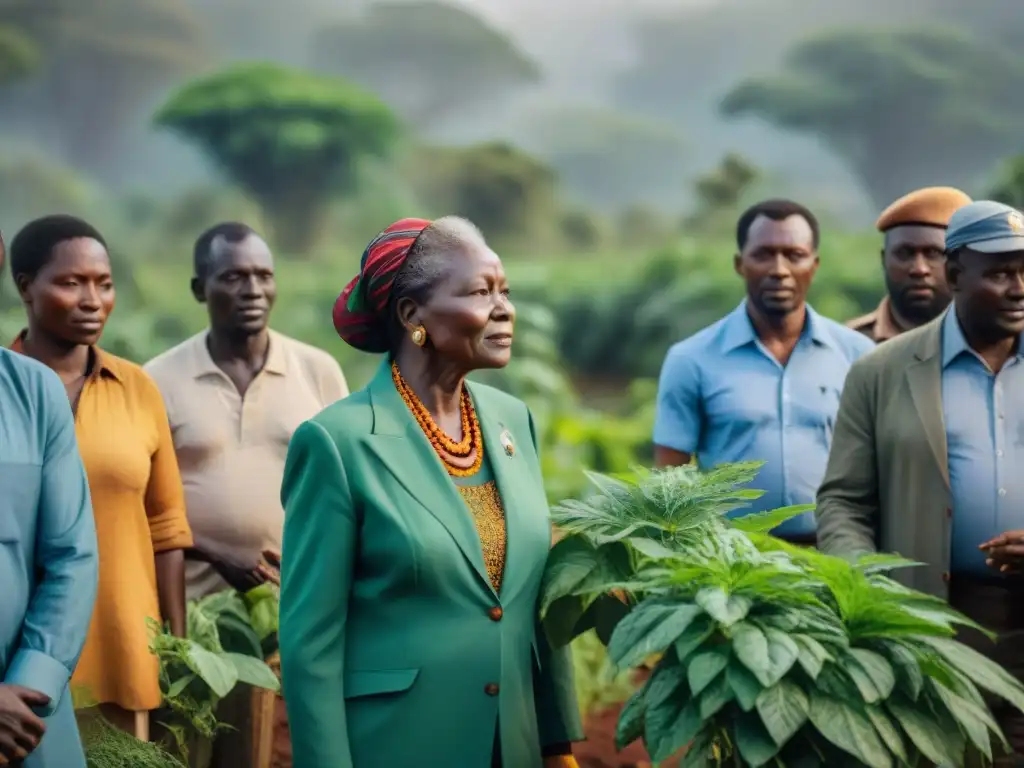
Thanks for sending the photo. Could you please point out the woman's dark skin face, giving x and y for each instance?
(71, 297)
(468, 320)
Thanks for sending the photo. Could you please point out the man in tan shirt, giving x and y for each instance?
(913, 258)
(234, 395)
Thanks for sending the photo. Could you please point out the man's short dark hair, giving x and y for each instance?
(776, 210)
(202, 253)
(32, 248)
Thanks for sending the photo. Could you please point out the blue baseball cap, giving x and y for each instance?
(987, 227)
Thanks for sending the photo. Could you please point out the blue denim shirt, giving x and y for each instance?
(48, 559)
(723, 397)
(984, 417)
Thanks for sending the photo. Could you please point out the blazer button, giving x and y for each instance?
(491, 689)
(495, 613)
(945, 577)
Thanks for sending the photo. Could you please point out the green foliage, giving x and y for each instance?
(228, 638)
(429, 59)
(291, 140)
(720, 191)
(19, 55)
(504, 191)
(853, 89)
(1009, 186)
(109, 747)
(768, 653)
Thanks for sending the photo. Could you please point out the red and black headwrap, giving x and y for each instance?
(360, 313)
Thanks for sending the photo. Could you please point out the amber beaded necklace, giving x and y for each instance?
(444, 446)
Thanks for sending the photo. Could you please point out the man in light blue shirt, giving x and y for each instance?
(48, 565)
(763, 383)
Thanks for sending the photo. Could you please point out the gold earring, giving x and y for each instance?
(419, 336)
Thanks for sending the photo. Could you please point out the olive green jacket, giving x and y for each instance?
(887, 483)
(393, 649)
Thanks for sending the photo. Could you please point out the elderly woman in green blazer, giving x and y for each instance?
(416, 533)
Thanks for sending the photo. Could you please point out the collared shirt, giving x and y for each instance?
(139, 509)
(725, 398)
(231, 449)
(984, 417)
(48, 559)
(880, 325)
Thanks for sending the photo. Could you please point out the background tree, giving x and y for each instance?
(104, 60)
(291, 140)
(902, 108)
(19, 56)
(721, 190)
(506, 192)
(428, 59)
(609, 159)
(1009, 185)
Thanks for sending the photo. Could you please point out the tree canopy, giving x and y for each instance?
(290, 139)
(426, 58)
(903, 108)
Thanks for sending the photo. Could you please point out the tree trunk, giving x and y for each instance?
(297, 221)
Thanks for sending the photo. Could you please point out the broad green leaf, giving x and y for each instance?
(602, 616)
(924, 732)
(865, 685)
(764, 522)
(631, 720)
(724, 608)
(669, 728)
(667, 683)
(705, 667)
(264, 618)
(888, 732)
(975, 721)
(179, 685)
(782, 655)
(648, 629)
(877, 669)
(753, 741)
(699, 755)
(751, 647)
(693, 637)
(237, 636)
(653, 549)
(908, 671)
(254, 672)
(812, 655)
(212, 669)
(783, 709)
(850, 730)
(714, 697)
(983, 671)
(570, 561)
(744, 685)
(565, 620)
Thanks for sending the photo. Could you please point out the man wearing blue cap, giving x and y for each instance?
(928, 450)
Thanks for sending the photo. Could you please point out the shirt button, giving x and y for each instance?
(495, 613)
(491, 689)
(1002, 491)
(999, 453)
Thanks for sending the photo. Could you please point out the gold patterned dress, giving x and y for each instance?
(480, 492)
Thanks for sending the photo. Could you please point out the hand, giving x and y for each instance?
(20, 728)
(238, 576)
(1005, 552)
(270, 566)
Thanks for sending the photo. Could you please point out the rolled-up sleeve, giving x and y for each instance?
(61, 605)
(165, 496)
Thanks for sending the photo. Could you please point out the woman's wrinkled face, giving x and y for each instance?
(73, 294)
(469, 318)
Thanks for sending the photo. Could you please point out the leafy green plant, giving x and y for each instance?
(229, 636)
(769, 654)
(109, 747)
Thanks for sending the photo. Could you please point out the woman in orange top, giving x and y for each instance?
(62, 270)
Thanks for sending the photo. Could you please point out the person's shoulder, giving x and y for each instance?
(170, 361)
(864, 324)
(310, 358)
(132, 376)
(890, 356)
(700, 344)
(351, 416)
(853, 342)
(28, 379)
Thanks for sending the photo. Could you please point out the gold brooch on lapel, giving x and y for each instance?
(506, 443)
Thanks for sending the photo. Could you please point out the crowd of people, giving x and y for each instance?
(407, 523)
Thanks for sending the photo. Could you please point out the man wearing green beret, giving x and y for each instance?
(929, 443)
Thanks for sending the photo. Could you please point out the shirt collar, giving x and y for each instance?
(203, 364)
(104, 364)
(954, 343)
(739, 330)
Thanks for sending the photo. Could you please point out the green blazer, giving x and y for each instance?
(887, 482)
(395, 649)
